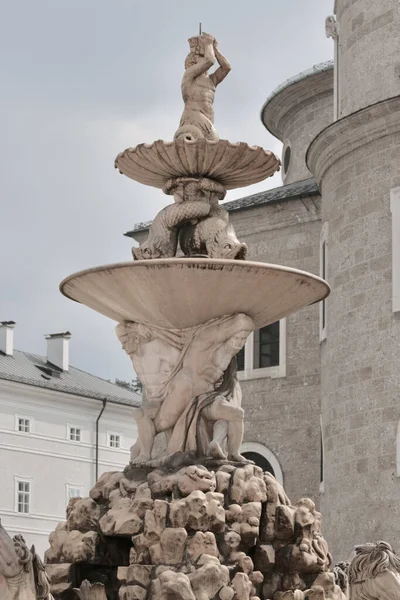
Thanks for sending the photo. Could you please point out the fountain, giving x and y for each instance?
(199, 521)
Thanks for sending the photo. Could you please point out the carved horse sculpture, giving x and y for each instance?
(22, 573)
(374, 572)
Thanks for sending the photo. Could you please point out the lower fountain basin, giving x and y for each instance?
(185, 292)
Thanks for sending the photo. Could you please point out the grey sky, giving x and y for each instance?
(81, 81)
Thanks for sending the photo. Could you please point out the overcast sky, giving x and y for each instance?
(81, 80)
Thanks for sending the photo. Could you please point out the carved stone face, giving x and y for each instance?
(144, 252)
(228, 246)
(238, 341)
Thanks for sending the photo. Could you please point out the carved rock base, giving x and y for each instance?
(190, 533)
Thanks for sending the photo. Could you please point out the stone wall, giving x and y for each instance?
(357, 162)
(296, 112)
(369, 52)
(284, 413)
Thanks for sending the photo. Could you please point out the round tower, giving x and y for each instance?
(356, 162)
(295, 112)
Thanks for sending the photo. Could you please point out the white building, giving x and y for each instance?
(54, 434)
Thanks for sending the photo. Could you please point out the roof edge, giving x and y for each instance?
(290, 191)
(300, 77)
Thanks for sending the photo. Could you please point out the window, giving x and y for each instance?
(323, 269)
(286, 158)
(75, 434)
(23, 496)
(264, 354)
(23, 424)
(266, 347)
(114, 440)
(74, 491)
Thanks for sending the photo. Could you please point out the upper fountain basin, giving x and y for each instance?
(175, 293)
(232, 165)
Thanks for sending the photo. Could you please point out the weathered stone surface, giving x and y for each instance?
(242, 586)
(248, 485)
(170, 549)
(106, 483)
(172, 585)
(125, 517)
(186, 480)
(83, 514)
(208, 580)
(245, 520)
(202, 543)
(199, 511)
(265, 558)
(71, 546)
(139, 575)
(132, 592)
(61, 577)
(91, 591)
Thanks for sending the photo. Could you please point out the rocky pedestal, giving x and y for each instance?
(225, 531)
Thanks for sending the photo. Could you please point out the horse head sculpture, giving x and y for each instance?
(374, 572)
(22, 573)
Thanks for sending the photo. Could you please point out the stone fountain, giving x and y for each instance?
(199, 521)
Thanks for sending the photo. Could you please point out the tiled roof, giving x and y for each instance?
(299, 189)
(33, 369)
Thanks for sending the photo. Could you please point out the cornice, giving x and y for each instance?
(346, 135)
(295, 94)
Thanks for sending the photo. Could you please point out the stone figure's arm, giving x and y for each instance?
(223, 69)
(221, 332)
(204, 63)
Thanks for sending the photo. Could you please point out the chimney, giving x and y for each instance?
(58, 349)
(7, 337)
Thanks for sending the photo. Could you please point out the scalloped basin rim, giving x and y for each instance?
(234, 165)
(184, 292)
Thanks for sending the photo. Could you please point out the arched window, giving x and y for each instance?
(263, 457)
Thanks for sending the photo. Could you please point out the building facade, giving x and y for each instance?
(321, 388)
(59, 428)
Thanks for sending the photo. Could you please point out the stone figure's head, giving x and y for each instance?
(245, 326)
(371, 560)
(143, 252)
(226, 245)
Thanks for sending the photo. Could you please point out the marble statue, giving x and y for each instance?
(22, 574)
(331, 27)
(197, 219)
(189, 383)
(198, 88)
(374, 573)
(212, 236)
(199, 522)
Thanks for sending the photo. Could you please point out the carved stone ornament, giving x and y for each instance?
(331, 27)
(231, 165)
(374, 572)
(22, 573)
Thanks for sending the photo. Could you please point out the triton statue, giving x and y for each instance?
(198, 88)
